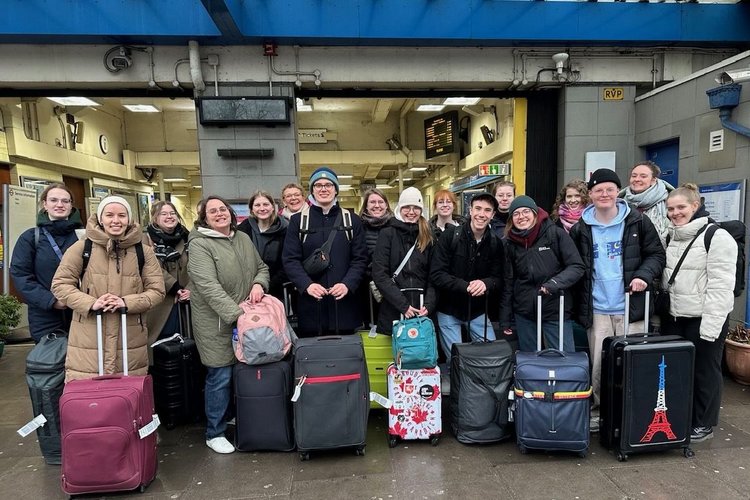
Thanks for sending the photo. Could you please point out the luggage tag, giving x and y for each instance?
(511, 405)
(149, 428)
(381, 400)
(373, 332)
(33, 425)
(298, 388)
(168, 339)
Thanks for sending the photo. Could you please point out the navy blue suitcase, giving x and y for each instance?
(552, 391)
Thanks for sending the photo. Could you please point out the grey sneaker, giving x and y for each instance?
(701, 434)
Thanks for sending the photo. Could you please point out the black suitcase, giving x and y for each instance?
(553, 392)
(45, 375)
(179, 376)
(646, 392)
(263, 408)
(481, 376)
(331, 396)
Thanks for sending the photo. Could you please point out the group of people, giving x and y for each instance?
(598, 241)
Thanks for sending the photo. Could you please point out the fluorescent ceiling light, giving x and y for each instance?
(418, 169)
(344, 176)
(345, 187)
(179, 195)
(430, 107)
(199, 186)
(461, 101)
(383, 186)
(174, 174)
(301, 106)
(74, 101)
(141, 108)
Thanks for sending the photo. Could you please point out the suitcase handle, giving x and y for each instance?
(421, 296)
(551, 352)
(107, 377)
(100, 339)
(626, 317)
(560, 320)
(486, 316)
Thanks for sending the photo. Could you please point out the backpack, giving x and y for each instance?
(414, 345)
(88, 246)
(263, 334)
(737, 229)
(304, 224)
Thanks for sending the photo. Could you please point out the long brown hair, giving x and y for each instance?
(577, 184)
(366, 198)
(269, 197)
(158, 205)
(425, 237)
(202, 213)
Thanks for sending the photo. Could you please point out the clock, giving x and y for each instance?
(104, 144)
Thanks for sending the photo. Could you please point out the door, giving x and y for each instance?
(79, 195)
(666, 155)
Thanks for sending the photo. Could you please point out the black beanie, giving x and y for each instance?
(604, 175)
(522, 201)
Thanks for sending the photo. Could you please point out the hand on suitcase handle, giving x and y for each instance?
(636, 285)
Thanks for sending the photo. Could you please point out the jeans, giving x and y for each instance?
(527, 335)
(450, 331)
(218, 391)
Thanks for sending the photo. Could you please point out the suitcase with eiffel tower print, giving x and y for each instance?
(646, 392)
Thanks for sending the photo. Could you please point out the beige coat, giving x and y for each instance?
(172, 272)
(112, 268)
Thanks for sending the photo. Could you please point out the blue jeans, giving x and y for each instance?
(450, 331)
(218, 391)
(527, 335)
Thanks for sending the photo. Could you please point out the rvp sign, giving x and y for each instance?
(613, 93)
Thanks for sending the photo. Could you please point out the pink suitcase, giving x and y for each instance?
(99, 420)
(416, 400)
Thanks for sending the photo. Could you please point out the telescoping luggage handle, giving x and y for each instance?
(561, 321)
(486, 315)
(100, 340)
(421, 296)
(186, 323)
(320, 315)
(626, 318)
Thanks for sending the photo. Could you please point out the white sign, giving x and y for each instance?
(724, 201)
(312, 136)
(599, 159)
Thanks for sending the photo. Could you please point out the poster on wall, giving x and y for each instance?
(144, 208)
(599, 159)
(725, 201)
(19, 214)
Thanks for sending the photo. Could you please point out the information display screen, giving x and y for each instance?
(441, 134)
(236, 110)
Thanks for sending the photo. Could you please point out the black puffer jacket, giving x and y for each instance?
(550, 260)
(437, 232)
(499, 221)
(642, 257)
(269, 244)
(451, 272)
(394, 243)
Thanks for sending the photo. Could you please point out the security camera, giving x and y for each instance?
(734, 76)
(118, 59)
(559, 59)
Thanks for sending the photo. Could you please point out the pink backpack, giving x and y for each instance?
(263, 334)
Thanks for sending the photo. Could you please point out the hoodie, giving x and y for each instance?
(608, 282)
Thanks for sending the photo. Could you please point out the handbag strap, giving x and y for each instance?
(403, 262)
(684, 254)
(326, 248)
(53, 243)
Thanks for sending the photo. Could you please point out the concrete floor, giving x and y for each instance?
(189, 470)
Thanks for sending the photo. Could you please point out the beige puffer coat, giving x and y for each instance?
(704, 285)
(223, 270)
(112, 268)
(172, 272)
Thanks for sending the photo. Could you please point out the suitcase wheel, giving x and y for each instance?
(582, 454)
(434, 440)
(621, 457)
(688, 453)
(360, 451)
(304, 456)
(392, 441)
(523, 449)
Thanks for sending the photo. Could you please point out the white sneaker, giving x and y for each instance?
(220, 445)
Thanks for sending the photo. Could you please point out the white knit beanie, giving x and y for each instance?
(409, 197)
(114, 199)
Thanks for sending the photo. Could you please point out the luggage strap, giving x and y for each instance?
(552, 396)
(498, 405)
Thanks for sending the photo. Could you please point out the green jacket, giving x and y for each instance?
(222, 270)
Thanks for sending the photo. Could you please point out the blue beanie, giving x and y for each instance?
(324, 173)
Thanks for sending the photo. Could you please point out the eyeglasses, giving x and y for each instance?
(55, 201)
(215, 211)
(601, 191)
(167, 214)
(444, 202)
(293, 195)
(321, 186)
(411, 208)
(525, 212)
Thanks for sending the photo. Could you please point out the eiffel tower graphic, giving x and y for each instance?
(659, 422)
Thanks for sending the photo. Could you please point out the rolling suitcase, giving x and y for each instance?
(646, 392)
(416, 402)
(179, 376)
(263, 409)
(331, 396)
(481, 375)
(108, 428)
(45, 376)
(552, 393)
(377, 355)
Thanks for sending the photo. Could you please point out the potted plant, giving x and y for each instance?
(10, 316)
(737, 352)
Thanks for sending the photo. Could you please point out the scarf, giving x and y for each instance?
(648, 199)
(376, 222)
(165, 243)
(569, 216)
(528, 236)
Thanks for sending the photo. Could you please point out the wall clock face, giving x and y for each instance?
(104, 144)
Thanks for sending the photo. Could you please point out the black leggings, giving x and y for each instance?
(708, 380)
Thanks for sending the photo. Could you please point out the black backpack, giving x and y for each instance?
(88, 245)
(738, 230)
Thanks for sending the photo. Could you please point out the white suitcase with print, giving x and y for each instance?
(416, 401)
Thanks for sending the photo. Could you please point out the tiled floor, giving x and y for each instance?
(187, 469)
